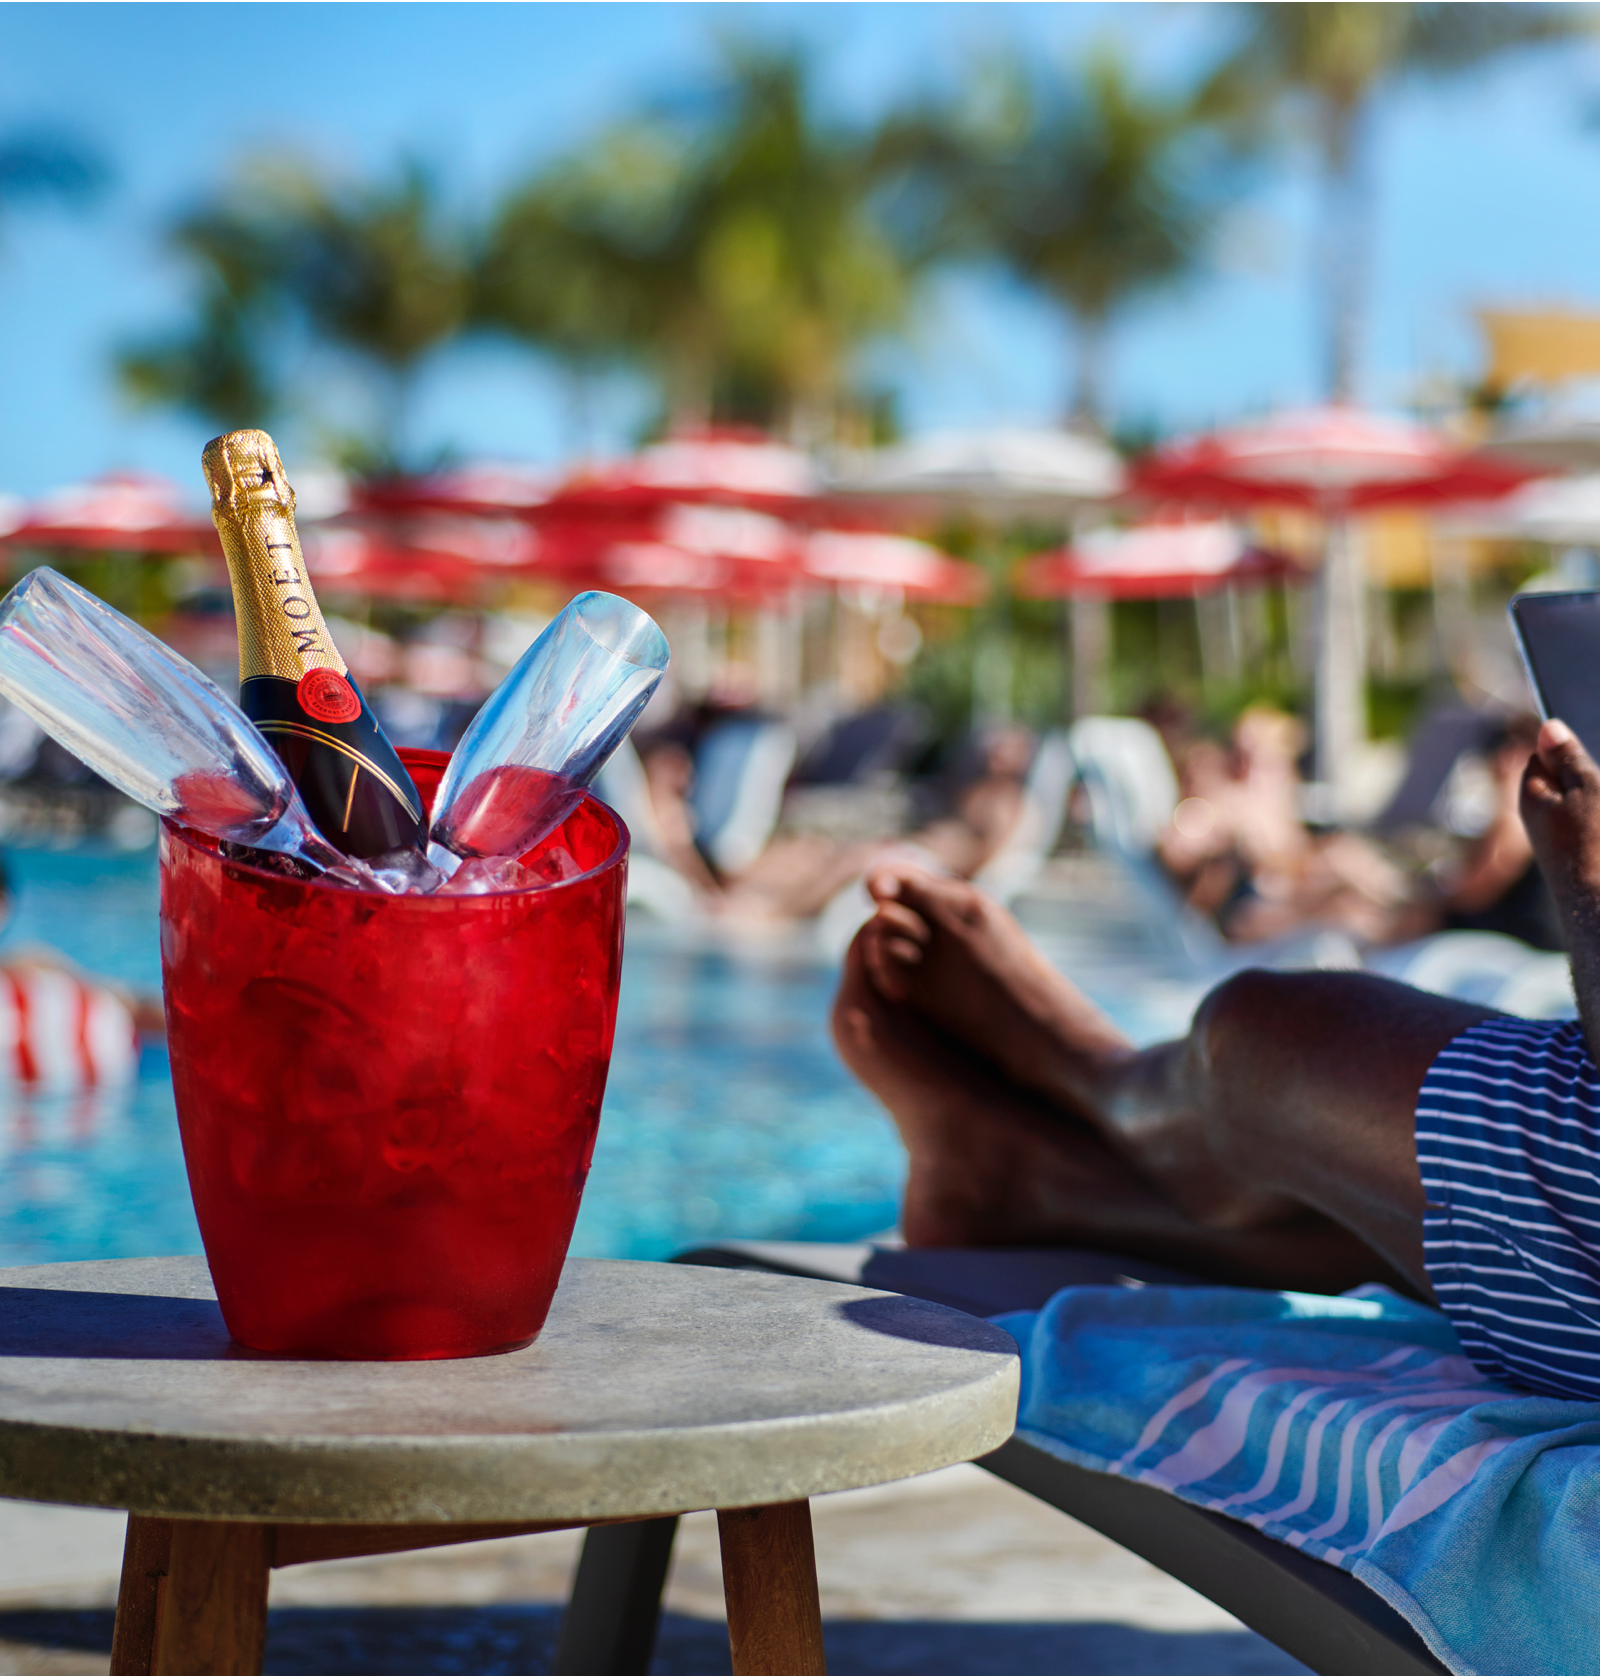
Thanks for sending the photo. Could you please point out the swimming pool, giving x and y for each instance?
(726, 1112)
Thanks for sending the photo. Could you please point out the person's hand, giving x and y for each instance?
(1561, 810)
(1560, 806)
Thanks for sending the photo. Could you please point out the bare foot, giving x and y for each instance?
(971, 1175)
(1560, 807)
(952, 953)
(948, 954)
(991, 1165)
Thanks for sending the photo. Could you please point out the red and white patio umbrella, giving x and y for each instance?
(1560, 511)
(718, 467)
(123, 512)
(728, 467)
(434, 558)
(726, 513)
(744, 555)
(869, 559)
(701, 513)
(1331, 460)
(415, 551)
(485, 488)
(1165, 560)
(1334, 461)
(351, 561)
(998, 475)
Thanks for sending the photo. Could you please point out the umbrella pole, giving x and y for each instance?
(1452, 604)
(1216, 622)
(1091, 646)
(993, 677)
(1341, 705)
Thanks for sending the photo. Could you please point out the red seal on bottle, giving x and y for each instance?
(326, 696)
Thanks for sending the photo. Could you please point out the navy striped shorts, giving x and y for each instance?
(1508, 1138)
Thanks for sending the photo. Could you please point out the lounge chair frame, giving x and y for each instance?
(1323, 1616)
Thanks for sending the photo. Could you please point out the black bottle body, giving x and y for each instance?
(355, 787)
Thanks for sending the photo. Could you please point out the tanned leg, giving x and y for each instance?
(1302, 1084)
(1282, 1122)
(992, 1163)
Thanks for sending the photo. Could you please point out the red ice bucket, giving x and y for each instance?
(389, 1104)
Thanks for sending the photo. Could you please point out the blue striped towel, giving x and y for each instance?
(1352, 1428)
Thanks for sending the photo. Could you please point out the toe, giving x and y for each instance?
(896, 919)
(950, 902)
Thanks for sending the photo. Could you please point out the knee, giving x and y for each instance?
(1266, 1046)
(1229, 1022)
(1236, 1046)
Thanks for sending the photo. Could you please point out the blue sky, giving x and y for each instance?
(1489, 192)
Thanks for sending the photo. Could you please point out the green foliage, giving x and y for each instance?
(142, 586)
(215, 367)
(1323, 64)
(730, 249)
(941, 677)
(283, 257)
(1092, 188)
(1029, 635)
(43, 164)
(1335, 56)
(1393, 705)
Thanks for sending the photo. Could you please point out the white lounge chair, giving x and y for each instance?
(1485, 967)
(1046, 794)
(653, 886)
(741, 767)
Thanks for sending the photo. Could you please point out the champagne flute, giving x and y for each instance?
(530, 753)
(149, 722)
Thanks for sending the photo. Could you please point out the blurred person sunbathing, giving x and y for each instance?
(987, 808)
(1238, 848)
(798, 874)
(1313, 1130)
(1497, 885)
(669, 778)
(795, 874)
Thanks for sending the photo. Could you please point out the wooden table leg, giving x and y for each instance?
(769, 1577)
(145, 1552)
(193, 1600)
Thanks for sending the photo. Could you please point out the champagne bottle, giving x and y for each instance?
(292, 682)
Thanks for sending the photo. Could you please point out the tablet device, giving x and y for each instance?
(1559, 637)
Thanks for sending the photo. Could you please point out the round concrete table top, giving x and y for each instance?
(654, 1388)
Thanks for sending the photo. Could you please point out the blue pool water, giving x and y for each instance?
(726, 1113)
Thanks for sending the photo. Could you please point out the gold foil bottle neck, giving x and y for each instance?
(244, 468)
(281, 631)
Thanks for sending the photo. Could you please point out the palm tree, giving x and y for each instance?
(370, 272)
(728, 245)
(216, 368)
(1327, 63)
(562, 271)
(47, 165)
(379, 275)
(1092, 189)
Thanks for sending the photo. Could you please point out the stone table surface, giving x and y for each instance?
(654, 1388)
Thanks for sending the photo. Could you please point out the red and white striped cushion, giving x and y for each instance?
(59, 1031)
